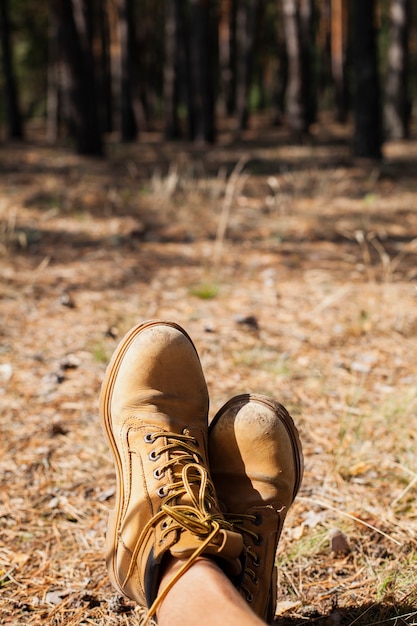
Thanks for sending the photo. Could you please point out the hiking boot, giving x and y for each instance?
(257, 465)
(153, 406)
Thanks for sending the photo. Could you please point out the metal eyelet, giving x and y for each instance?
(149, 438)
(161, 492)
(249, 597)
(252, 576)
(187, 433)
(256, 561)
(258, 519)
(153, 455)
(158, 473)
(258, 541)
(165, 524)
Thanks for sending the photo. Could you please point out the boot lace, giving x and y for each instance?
(240, 523)
(199, 514)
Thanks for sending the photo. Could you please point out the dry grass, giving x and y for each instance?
(295, 274)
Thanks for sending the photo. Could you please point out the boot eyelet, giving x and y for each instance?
(161, 492)
(153, 455)
(158, 473)
(165, 524)
(249, 597)
(187, 433)
(258, 541)
(256, 561)
(251, 574)
(258, 519)
(149, 438)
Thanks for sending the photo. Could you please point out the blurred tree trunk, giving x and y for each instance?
(307, 37)
(397, 104)
(53, 82)
(183, 67)
(281, 84)
(102, 47)
(296, 89)
(179, 80)
(367, 139)
(171, 70)
(227, 55)
(129, 126)
(14, 118)
(79, 68)
(339, 18)
(324, 45)
(202, 67)
(247, 19)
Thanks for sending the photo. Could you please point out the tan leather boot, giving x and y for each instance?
(154, 406)
(257, 465)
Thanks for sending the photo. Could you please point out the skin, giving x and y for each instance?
(206, 592)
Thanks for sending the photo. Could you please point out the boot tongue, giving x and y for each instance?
(227, 545)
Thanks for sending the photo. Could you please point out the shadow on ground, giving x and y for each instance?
(365, 615)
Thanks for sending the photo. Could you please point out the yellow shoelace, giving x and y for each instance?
(238, 525)
(201, 516)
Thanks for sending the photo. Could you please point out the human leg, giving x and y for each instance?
(203, 596)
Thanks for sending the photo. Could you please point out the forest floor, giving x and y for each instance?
(294, 270)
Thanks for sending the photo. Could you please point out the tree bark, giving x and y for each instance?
(53, 83)
(14, 117)
(104, 89)
(281, 84)
(338, 56)
(227, 56)
(296, 104)
(246, 26)
(307, 26)
(129, 127)
(171, 71)
(79, 67)
(367, 140)
(397, 104)
(201, 70)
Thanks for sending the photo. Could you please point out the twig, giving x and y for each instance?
(231, 186)
(349, 516)
(404, 491)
